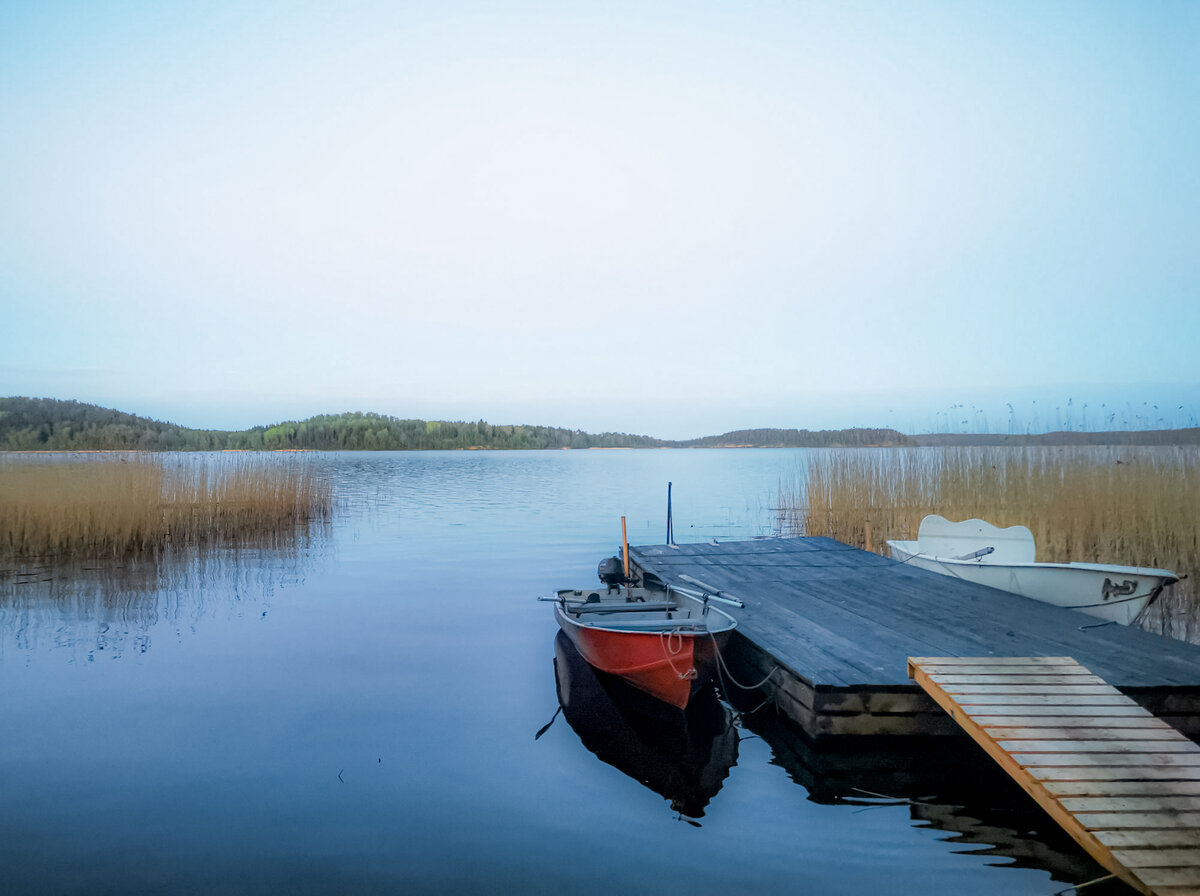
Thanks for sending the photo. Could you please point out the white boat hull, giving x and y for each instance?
(1113, 593)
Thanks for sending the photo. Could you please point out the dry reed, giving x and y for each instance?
(116, 506)
(1133, 506)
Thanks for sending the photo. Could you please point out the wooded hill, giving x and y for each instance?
(45, 424)
(799, 438)
(32, 424)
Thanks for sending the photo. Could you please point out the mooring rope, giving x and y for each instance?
(675, 636)
(722, 666)
(1078, 887)
(672, 643)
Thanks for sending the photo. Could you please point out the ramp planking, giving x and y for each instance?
(1124, 784)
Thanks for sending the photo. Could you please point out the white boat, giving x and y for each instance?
(1004, 558)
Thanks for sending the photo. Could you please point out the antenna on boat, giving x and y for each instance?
(670, 528)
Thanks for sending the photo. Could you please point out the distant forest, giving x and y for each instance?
(32, 424)
(44, 424)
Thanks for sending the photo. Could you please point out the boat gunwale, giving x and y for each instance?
(1169, 576)
(688, 627)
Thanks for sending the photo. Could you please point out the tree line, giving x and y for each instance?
(45, 424)
(801, 438)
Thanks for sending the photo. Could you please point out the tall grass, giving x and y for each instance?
(1134, 506)
(119, 506)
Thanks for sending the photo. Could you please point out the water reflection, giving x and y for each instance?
(948, 783)
(682, 755)
(111, 609)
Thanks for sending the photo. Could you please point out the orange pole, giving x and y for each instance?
(625, 548)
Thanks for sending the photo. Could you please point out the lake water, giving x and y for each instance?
(356, 711)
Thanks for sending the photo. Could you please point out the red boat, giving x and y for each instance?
(662, 642)
(683, 755)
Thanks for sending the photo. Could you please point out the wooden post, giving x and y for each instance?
(625, 548)
(869, 546)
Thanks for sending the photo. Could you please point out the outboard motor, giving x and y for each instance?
(611, 572)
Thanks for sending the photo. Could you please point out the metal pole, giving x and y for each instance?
(670, 530)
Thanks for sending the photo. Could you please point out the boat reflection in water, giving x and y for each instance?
(683, 755)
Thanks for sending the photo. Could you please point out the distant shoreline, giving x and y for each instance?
(52, 425)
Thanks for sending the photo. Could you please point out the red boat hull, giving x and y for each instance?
(668, 665)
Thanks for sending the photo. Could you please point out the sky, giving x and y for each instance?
(675, 219)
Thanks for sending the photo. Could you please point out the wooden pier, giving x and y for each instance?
(1123, 784)
(834, 627)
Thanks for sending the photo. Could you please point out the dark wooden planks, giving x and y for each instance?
(839, 617)
(1132, 802)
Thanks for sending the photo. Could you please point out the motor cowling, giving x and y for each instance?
(611, 571)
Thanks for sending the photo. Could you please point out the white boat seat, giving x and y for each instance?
(939, 537)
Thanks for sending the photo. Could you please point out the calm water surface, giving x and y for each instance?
(356, 712)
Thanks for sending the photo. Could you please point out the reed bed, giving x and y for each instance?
(120, 507)
(1137, 506)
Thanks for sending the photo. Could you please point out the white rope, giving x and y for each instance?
(675, 636)
(1078, 887)
(721, 665)
(672, 642)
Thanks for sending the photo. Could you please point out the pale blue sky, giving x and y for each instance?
(676, 219)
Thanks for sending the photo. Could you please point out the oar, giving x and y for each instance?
(710, 591)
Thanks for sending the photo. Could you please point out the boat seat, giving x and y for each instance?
(939, 537)
(633, 607)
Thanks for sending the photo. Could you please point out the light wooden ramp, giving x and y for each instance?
(1124, 784)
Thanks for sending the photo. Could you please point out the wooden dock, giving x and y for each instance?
(1124, 784)
(835, 626)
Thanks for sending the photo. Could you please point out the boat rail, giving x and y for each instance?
(580, 608)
